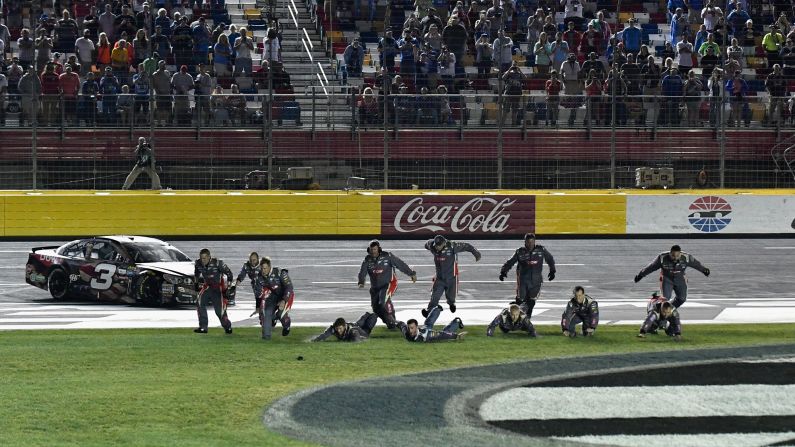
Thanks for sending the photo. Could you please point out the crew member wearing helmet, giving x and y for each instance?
(380, 266)
(445, 257)
(580, 309)
(530, 259)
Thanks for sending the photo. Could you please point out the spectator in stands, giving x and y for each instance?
(735, 52)
(776, 85)
(30, 89)
(736, 89)
(773, 42)
(446, 62)
(572, 38)
(570, 72)
(87, 106)
(651, 89)
(482, 25)
(630, 72)
(552, 88)
(56, 63)
(109, 88)
(455, 36)
(120, 61)
(49, 95)
(433, 38)
(503, 51)
(104, 52)
(412, 23)
(43, 45)
(161, 44)
(708, 63)
(535, 26)
(201, 41)
(701, 37)
(716, 87)
(495, 17)
(672, 90)
(142, 87)
(560, 50)
(593, 92)
(14, 74)
(238, 108)
(643, 56)
(737, 18)
(69, 87)
(182, 83)
(668, 51)
(747, 35)
(163, 21)
(273, 49)
(710, 14)
(591, 42)
(204, 88)
(91, 24)
(572, 12)
(107, 22)
(125, 22)
(787, 58)
(422, 8)
(593, 63)
(631, 37)
(427, 108)
(615, 53)
(408, 47)
(710, 43)
(550, 27)
(543, 54)
(124, 105)
(219, 108)
(84, 48)
(508, 13)
(368, 107)
(3, 93)
(677, 5)
(405, 106)
(692, 90)
(387, 49)
(244, 46)
(142, 47)
(161, 87)
(145, 20)
(483, 56)
(684, 54)
(513, 79)
(66, 32)
(603, 28)
(445, 112)
(182, 43)
(222, 57)
(615, 81)
(354, 58)
(679, 26)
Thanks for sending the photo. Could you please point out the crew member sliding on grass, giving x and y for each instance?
(277, 298)
(580, 309)
(413, 333)
(672, 274)
(529, 272)
(661, 315)
(511, 319)
(380, 267)
(208, 275)
(352, 332)
(445, 256)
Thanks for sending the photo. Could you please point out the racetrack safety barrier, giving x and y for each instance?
(394, 213)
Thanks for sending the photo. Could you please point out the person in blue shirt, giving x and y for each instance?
(679, 25)
(737, 19)
(407, 46)
(387, 48)
(88, 95)
(673, 5)
(672, 90)
(632, 37)
(701, 37)
(736, 89)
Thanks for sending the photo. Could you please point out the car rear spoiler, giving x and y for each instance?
(46, 247)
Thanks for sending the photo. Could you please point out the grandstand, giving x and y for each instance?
(332, 90)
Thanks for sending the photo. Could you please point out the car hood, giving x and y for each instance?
(172, 268)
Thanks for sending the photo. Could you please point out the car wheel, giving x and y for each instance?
(58, 284)
(149, 291)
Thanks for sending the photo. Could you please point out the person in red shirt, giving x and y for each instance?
(593, 91)
(69, 86)
(572, 37)
(49, 95)
(552, 87)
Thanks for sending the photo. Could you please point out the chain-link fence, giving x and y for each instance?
(467, 140)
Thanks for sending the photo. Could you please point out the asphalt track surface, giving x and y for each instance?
(751, 281)
(447, 407)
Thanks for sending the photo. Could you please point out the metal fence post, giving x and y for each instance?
(314, 107)
(386, 81)
(34, 141)
(499, 129)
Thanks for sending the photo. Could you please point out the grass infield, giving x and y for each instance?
(174, 387)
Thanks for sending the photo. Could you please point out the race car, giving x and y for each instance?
(128, 269)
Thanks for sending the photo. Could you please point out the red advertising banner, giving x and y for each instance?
(480, 215)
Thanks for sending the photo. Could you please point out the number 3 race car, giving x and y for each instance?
(128, 269)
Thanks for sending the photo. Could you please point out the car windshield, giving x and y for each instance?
(141, 252)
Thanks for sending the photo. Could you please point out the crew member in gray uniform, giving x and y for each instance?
(445, 256)
(511, 319)
(413, 333)
(661, 315)
(380, 266)
(580, 309)
(277, 298)
(530, 259)
(672, 267)
(252, 269)
(351, 332)
(208, 275)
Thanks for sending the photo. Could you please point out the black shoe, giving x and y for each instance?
(424, 313)
(228, 330)
(285, 331)
(200, 330)
(460, 323)
(452, 308)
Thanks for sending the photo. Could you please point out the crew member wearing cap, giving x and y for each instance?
(445, 257)
(672, 266)
(530, 259)
(580, 309)
(380, 266)
(660, 314)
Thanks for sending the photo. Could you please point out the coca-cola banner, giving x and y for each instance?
(481, 215)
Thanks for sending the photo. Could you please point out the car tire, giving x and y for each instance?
(58, 284)
(148, 292)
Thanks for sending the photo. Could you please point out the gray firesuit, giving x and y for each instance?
(672, 275)
(450, 332)
(276, 287)
(586, 313)
(529, 274)
(354, 332)
(209, 279)
(654, 319)
(253, 273)
(506, 323)
(383, 283)
(446, 279)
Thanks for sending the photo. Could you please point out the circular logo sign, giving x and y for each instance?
(709, 214)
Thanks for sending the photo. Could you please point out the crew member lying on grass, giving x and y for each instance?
(662, 315)
(512, 319)
(413, 333)
(353, 332)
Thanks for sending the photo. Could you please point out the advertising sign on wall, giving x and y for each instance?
(710, 214)
(487, 215)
